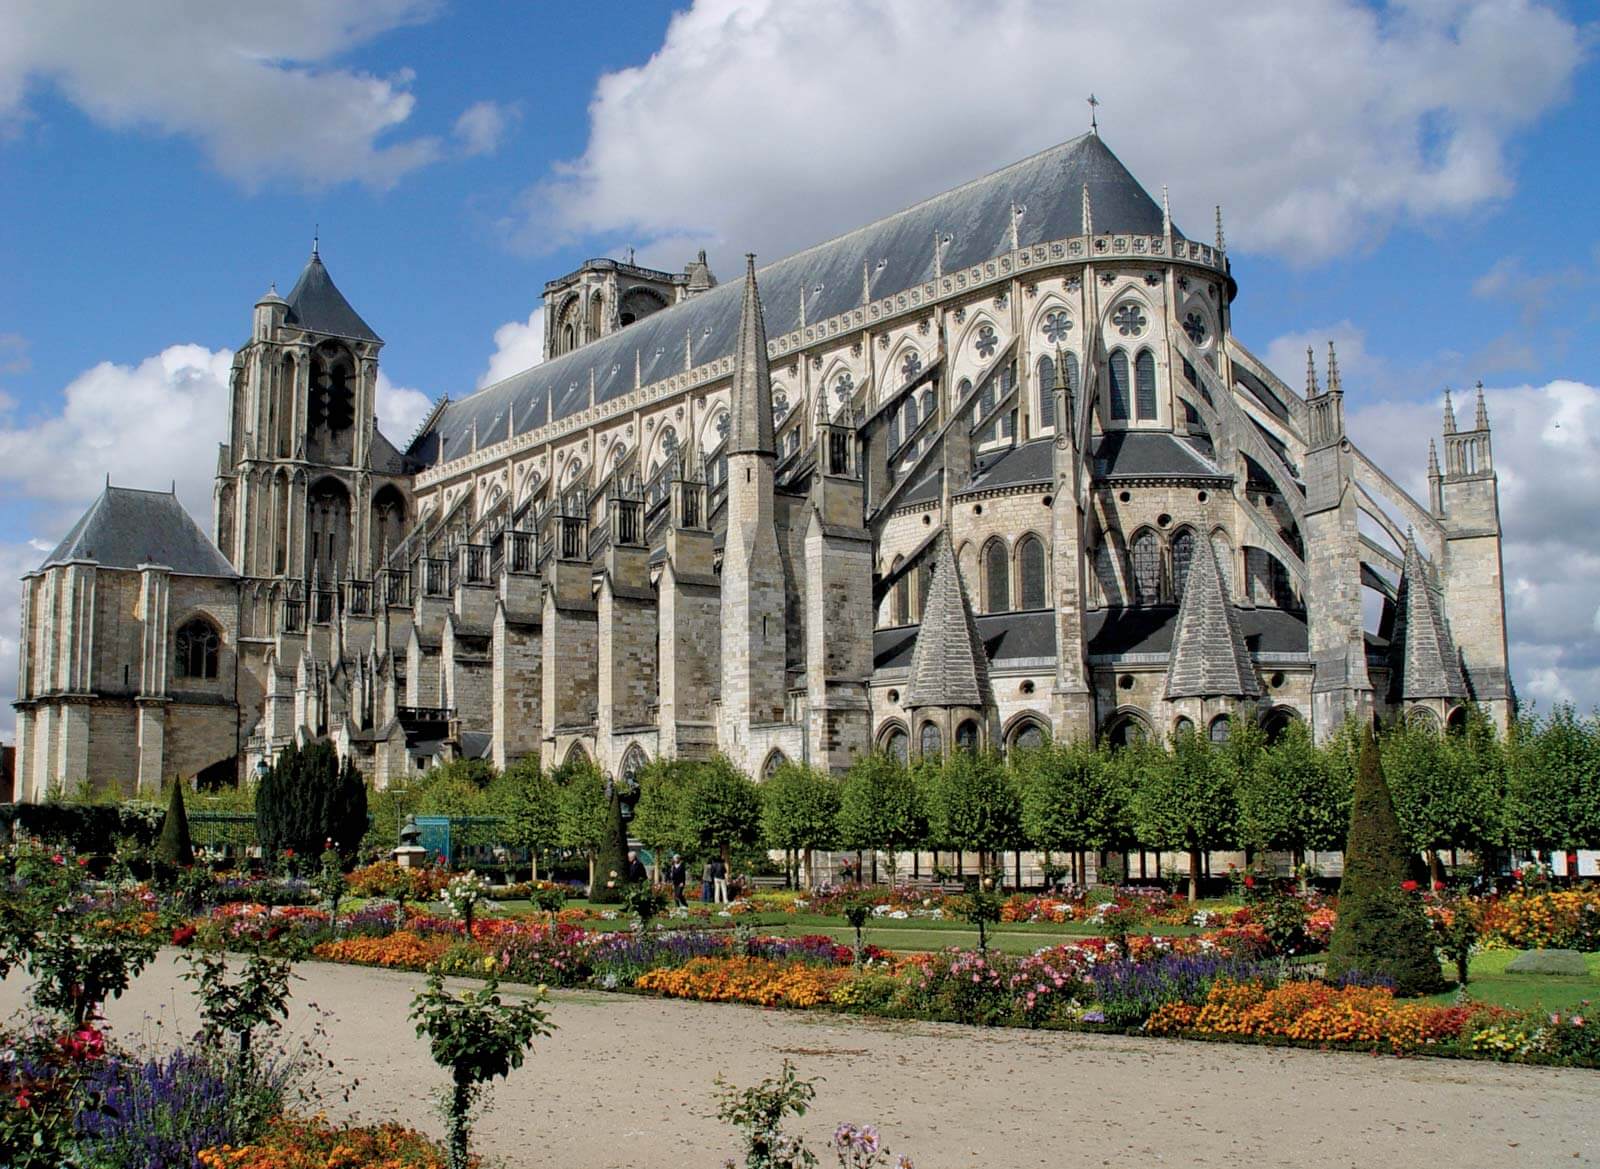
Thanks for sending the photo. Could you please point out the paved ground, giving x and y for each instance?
(627, 1081)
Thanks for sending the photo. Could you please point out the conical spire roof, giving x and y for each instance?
(751, 422)
(317, 306)
(948, 666)
(1209, 658)
(1422, 656)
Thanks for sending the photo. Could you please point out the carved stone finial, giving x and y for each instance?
(1335, 384)
(1312, 389)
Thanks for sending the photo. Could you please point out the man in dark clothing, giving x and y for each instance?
(636, 870)
(719, 881)
(678, 874)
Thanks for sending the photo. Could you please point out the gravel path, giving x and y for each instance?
(627, 1081)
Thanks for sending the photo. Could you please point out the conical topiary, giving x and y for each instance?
(175, 846)
(611, 858)
(1382, 932)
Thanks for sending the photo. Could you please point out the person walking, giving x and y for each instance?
(705, 883)
(637, 873)
(719, 880)
(678, 875)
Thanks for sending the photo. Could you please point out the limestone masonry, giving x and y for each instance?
(990, 469)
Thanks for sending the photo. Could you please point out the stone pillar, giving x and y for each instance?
(152, 725)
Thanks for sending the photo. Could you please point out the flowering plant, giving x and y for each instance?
(463, 895)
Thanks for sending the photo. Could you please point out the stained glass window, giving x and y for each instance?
(1030, 564)
(932, 741)
(1219, 729)
(1195, 325)
(967, 736)
(1118, 369)
(197, 650)
(911, 366)
(1144, 380)
(1056, 327)
(896, 745)
(986, 342)
(1182, 555)
(1145, 554)
(1047, 391)
(997, 577)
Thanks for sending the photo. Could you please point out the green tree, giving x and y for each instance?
(1185, 799)
(309, 797)
(582, 817)
(1442, 796)
(1293, 797)
(174, 847)
(528, 803)
(658, 815)
(1382, 930)
(881, 807)
(721, 807)
(1074, 798)
(799, 810)
(1553, 781)
(974, 805)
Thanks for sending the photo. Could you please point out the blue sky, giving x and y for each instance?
(1415, 181)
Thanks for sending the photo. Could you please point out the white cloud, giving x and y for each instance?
(519, 345)
(256, 85)
(481, 127)
(772, 125)
(400, 410)
(1547, 457)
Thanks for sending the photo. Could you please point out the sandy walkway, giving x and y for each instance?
(628, 1082)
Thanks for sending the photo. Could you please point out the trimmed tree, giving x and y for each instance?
(528, 801)
(311, 796)
(1382, 932)
(974, 806)
(1444, 797)
(658, 814)
(1553, 781)
(1073, 799)
(880, 807)
(1293, 797)
(799, 810)
(1185, 799)
(721, 808)
(582, 818)
(175, 847)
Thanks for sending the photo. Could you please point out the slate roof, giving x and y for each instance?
(1422, 657)
(126, 527)
(1150, 454)
(1208, 658)
(317, 305)
(948, 666)
(897, 252)
(1032, 462)
(1150, 629)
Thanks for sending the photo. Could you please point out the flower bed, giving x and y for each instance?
(760, 981)
(1567, 920)
(316, 1144)
(401, 950)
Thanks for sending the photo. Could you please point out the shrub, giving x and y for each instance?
(758, 1113)
(1381, 927)
(760, 981)
(294, 1143)
(310, 797)
(174, 847)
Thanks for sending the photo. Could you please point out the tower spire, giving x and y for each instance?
(1312, 389)
(1449, 413)
(751, 398)
(1335, 385)
(1433, 460)
(1480, 421)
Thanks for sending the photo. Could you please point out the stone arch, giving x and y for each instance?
(282, 405)
(1027, 730)
(774, 760)
(327, 528)
(1182, 548)
(906, 364)
(639, 302)
(969, 736)
(996, 576)
(1182, 725)
(197, 648)
(1277, 720)
(331, 404)
(1456, 721)
(597, 312)
(894, 740)
(634, 760)
(1144, 566)
(568, 323)
(577, 755)
(388, 521)
(1032, 573)
(1126, 726)
(968, 352)
(1220, 728)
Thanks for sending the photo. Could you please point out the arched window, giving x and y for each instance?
(1144, 557)
(932, 741)
(1027, 735)
(927, 403)
(900, 611)
(1072, 387)
(1183, 726)
(1277, 722)
(911, 414)
(896, 744)
(1125, 730)
(894, 431)
(1047, 391)
(774, 761)
(1220, 728)
(986, 399)
(924, 575)
(1118, 371)
(1182, 557)
(1030, 567)
(1144, 381)
(967, 736)
(197, 646)
(997, 578)
(1224, 554)
(632, 764)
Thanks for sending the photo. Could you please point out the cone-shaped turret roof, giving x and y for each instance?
(948, 666)
(1208, 658)
(751, 399)
(317, 306)
(1422, 656)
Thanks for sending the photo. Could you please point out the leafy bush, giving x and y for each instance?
(310, 797)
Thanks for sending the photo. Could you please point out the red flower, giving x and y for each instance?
(183, 935)
(1438, 886)
(274, 933)
(1408, 886)
(23, 1100)
(1249, 882)
(58, 859)
(1516, 874)
(288, 853)
(83, 862)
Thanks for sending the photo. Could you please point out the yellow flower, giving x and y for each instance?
(488, 961)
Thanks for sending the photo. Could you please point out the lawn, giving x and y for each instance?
(1488, 982)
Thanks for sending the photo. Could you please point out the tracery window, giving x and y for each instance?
(1145, 554)
(986, 342)
(197, 648)
(844, 388)
(1027, 737)
(780, 405)
(896, 744)
(1047, 391)
(911, 366)
(1145, 385)
(1056, 327)
(1118, 370)
(1195, 325)
(1130, 320)
(997, 578)
(967, 736)
(1220, 728)
(1030, 565)
(1182, 556)
(932, 741)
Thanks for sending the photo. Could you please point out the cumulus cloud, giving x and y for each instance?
(518, 345)
(257, 86)
(481, 127)
(769, 125)
(400, 410)
(1547, 456)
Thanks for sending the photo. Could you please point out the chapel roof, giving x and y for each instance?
(1208, 658)
(125, 528)
(1422, 656)
(897, 252)
(317, 306)
(949, 667)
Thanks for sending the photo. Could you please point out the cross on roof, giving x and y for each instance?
(1094, 125)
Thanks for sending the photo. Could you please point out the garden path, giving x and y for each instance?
(627, 1081)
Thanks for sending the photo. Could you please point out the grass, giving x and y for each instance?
(1488, 982)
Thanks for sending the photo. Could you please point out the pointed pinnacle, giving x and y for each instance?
(1433, 459)
(1222, 242)
(1335, 385)
(1312, 389)
(1449, 413)
(1166, 212)
(1481, 420)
